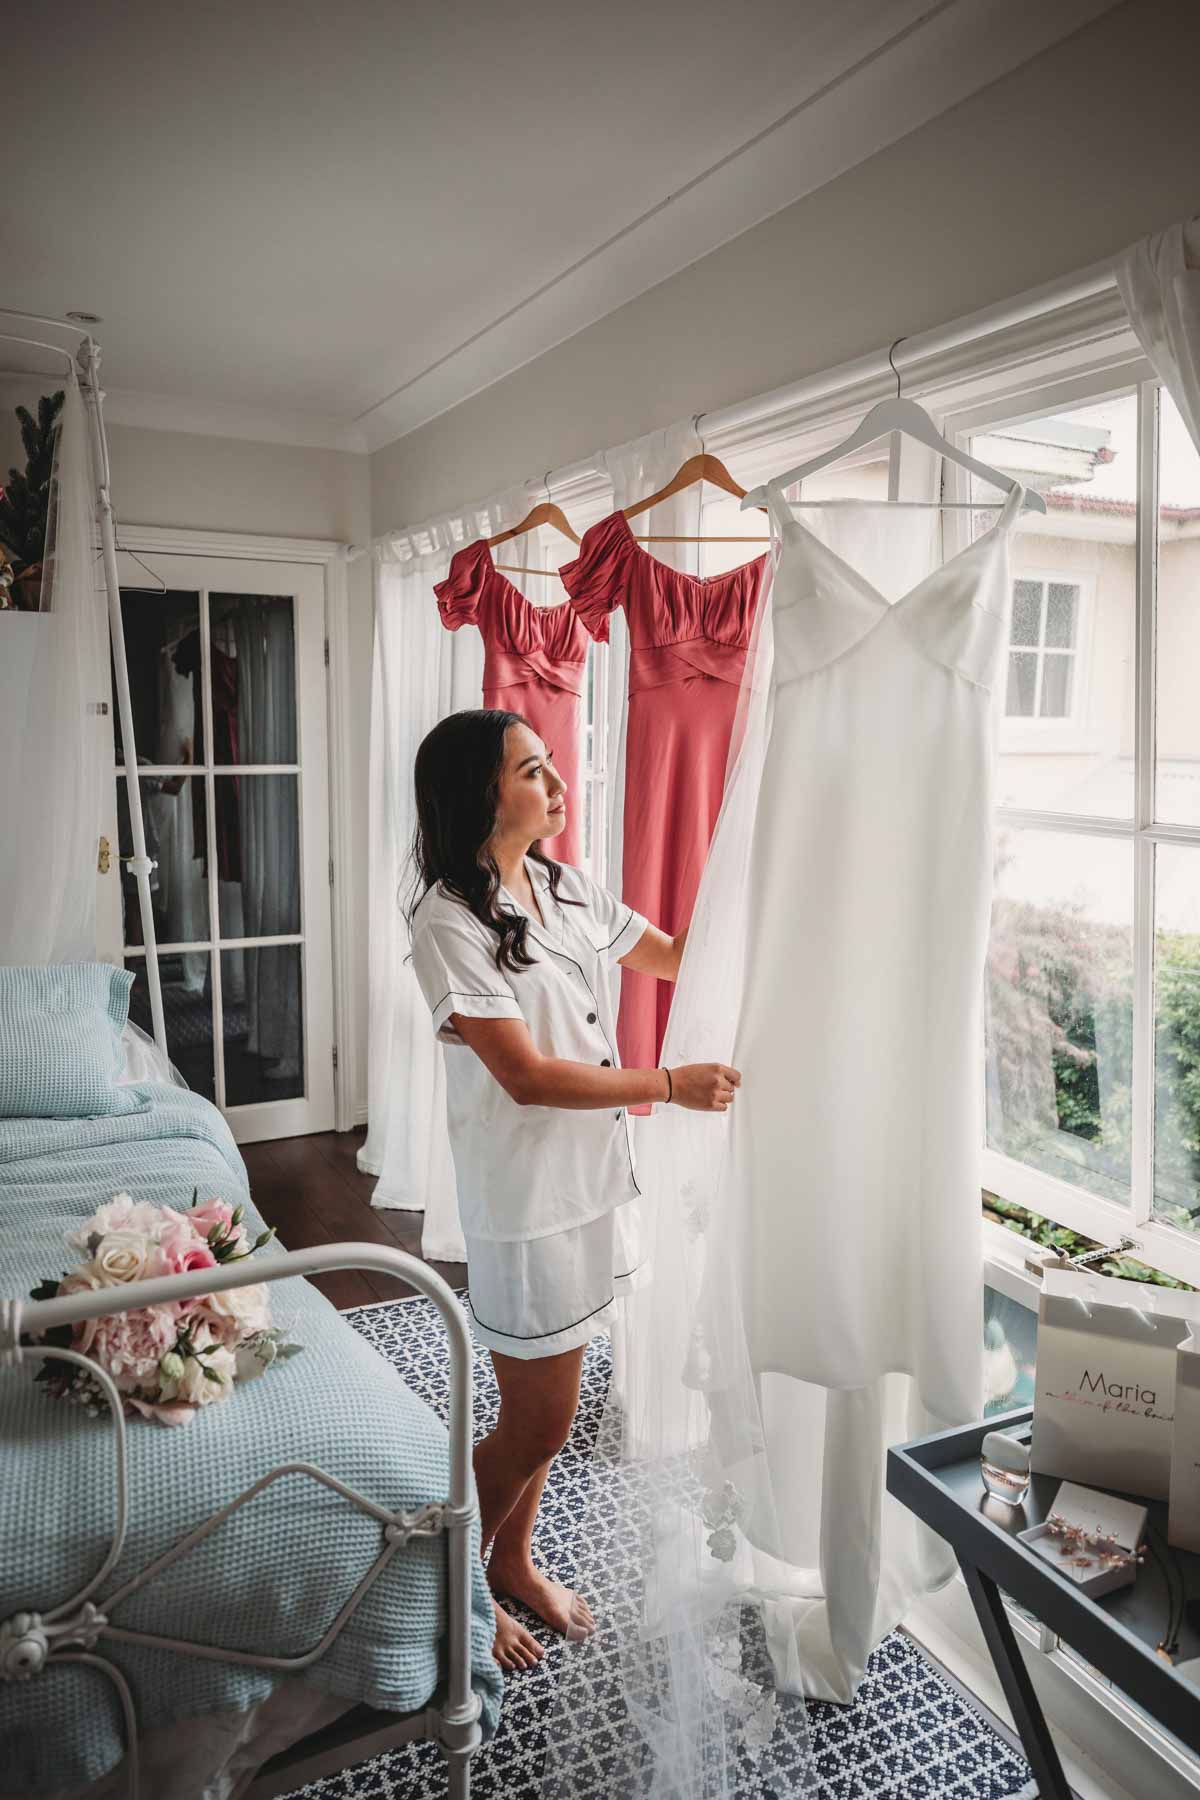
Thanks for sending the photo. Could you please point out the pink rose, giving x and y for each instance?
(182, 1250)
(216, 1212)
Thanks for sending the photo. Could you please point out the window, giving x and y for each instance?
(1092, 1064)
(1043, 646)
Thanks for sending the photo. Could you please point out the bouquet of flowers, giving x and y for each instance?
(167, 1361)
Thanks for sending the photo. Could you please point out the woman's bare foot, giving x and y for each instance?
(565, 1611)
(514, 1647)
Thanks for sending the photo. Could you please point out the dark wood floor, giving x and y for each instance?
(311, 1190)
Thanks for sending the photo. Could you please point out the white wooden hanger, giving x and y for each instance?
(897, 414)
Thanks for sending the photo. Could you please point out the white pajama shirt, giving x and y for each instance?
(538, 1186)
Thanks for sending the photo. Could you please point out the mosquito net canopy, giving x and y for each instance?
(54, 725)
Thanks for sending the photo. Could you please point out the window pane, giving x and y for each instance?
(1060, 615)
(1022, 683)
(187, 1013)
(1178, 725)
(1060, 1007)
(173, 814)
(162, 638)
(1056, 686)
(1177, 1036)
(1084, 461)
(263, 1024)
(1009, 1352)
(253, 649)
(1027, 612)
(258, 854)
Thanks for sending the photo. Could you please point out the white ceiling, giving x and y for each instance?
(327, 224)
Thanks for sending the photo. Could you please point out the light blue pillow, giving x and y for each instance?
(60, 1041)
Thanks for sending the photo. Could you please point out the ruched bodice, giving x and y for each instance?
(679, 624)
(533, 663)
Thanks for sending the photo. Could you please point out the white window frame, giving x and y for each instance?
(1160, 1245)
(1023, 377)
(1063, 731)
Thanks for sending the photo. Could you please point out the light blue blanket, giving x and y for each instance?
(273, 1577)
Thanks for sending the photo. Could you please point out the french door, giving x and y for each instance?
(227, 683)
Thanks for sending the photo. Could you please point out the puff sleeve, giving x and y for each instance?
(459, 596)
(598, 579)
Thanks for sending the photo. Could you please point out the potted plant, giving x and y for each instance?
(24, 505)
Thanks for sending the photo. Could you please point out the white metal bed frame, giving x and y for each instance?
(33, 1641)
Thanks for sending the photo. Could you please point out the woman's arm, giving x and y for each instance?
(656, 954)
(507, 1051)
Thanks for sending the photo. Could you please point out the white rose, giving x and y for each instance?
(239, 1313)
(122, 1256)
(195, 1387)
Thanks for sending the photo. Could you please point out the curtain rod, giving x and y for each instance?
(1090, 283)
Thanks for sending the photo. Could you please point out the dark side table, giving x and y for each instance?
(938, 1479)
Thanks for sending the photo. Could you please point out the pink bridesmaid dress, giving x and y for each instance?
(533, 663)
(688, 637)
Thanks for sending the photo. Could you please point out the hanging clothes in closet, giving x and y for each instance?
(534, 659)
(688, 636)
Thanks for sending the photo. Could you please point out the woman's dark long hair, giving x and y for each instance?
(457, 776)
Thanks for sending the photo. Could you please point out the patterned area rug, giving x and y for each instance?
(909, 1736)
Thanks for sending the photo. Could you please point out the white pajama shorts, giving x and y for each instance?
(548, 1294)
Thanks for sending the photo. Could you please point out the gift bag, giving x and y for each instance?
(1104, 1401)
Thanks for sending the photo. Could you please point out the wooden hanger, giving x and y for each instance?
(544, 513)
(696, 469)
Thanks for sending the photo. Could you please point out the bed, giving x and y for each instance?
(271, 1579)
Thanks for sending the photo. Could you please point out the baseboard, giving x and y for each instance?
(1109, 1750)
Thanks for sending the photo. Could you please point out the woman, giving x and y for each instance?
(509, 949)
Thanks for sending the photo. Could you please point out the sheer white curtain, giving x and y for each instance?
(421, 673)
(55, 736)
(1159, 279)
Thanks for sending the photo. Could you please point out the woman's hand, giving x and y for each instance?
(704, 1087)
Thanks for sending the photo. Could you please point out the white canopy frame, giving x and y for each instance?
(84, 359)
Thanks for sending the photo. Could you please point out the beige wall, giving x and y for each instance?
(182, 479)
(1057, 165)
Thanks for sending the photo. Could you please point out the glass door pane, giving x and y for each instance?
(227, 687)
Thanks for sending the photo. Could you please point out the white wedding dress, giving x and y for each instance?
(857, 1137)
(813, 1272)
(853, 1160)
